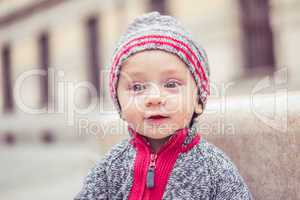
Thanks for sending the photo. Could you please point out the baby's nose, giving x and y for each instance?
(154, 100)
(154, 97)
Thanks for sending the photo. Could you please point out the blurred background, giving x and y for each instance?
(57, 119)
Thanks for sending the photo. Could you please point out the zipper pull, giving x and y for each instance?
(150, 172)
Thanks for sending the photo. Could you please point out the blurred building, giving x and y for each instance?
(54, 57)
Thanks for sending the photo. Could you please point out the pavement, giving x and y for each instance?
(40, 171)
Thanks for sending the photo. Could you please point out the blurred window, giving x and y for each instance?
(6, 78)
(158, 5)
(44, 61)
(258, 37)
(94, 57)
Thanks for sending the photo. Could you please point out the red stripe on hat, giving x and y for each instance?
(173, 39)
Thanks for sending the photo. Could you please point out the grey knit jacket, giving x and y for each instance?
(203, 172)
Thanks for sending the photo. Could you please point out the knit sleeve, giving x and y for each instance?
(95, 184)
(229, 183)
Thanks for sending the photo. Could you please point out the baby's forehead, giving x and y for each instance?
(132, 74)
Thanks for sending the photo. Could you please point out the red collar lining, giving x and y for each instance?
(166, 159)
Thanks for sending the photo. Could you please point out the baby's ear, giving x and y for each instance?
(198, 108)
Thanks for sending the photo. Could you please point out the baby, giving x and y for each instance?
(159, 83)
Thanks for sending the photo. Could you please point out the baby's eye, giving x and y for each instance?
(137, 87)
(171, 84)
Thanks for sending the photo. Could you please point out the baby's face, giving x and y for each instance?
(157, 93)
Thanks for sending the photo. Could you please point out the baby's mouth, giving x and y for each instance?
(156, 119)
(156, 115)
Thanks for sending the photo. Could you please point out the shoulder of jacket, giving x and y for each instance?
(213, 154)
(116, 151)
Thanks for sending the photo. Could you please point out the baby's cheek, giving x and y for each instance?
(131, 118)
(173, 104)
(139, 103)
(123, 100)
(127, 103)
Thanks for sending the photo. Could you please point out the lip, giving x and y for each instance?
(156, 119)
(153, 114)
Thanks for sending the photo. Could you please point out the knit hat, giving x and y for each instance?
(153, 31)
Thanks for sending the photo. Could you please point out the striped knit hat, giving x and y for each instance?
(154, 31)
